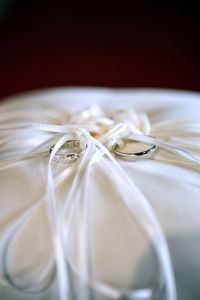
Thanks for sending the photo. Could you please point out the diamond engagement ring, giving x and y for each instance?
(146, 151)
(70, 151)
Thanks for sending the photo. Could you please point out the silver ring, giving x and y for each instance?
(70, 151)
(145, 154)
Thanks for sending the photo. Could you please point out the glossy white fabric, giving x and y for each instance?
(170, 182)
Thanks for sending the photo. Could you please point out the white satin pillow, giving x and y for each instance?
(171, 186)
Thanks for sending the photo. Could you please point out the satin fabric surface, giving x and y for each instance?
(121, 257)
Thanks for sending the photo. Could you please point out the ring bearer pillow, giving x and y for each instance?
(100, 226)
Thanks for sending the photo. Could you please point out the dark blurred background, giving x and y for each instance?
(45, 43)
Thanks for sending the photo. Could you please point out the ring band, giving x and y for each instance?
(66, 156)
(147, 153)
